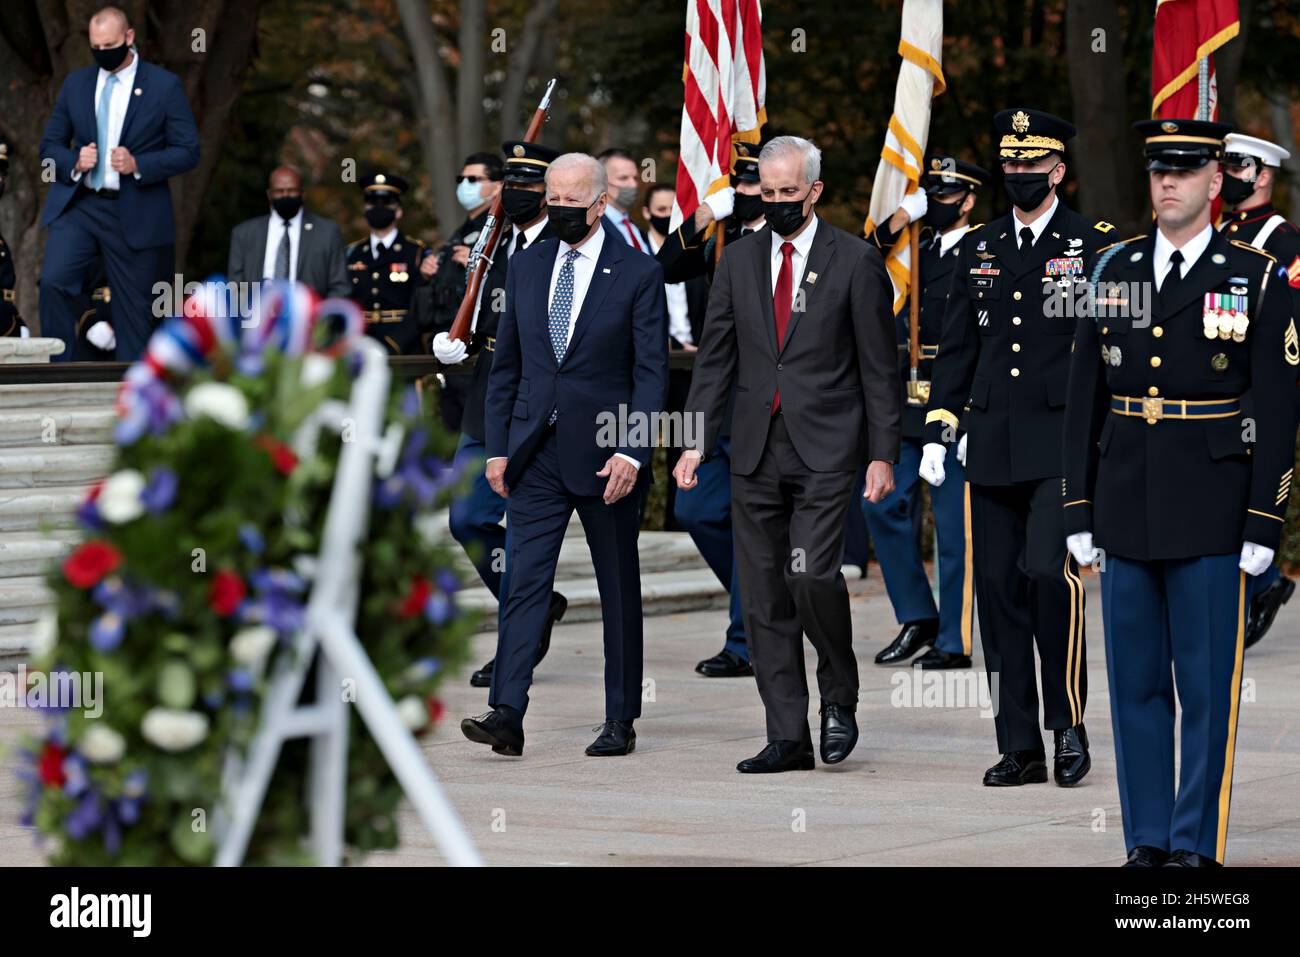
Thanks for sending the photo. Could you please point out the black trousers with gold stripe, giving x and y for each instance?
(1028, 594)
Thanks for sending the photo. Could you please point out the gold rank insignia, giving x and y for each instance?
(1020, 121)
(1291, 345)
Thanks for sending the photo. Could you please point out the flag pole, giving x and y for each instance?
(914, 396)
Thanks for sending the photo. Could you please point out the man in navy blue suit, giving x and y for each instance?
(580, 368)
(120, 129)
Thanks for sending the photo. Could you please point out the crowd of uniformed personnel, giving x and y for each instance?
(1077, 400)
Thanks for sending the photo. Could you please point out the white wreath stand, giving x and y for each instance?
(329, 629)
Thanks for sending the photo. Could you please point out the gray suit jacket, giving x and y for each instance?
(322, 261)
(837, 368)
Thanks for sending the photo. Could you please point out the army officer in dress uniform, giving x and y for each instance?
(476, 517)
(1179, 454)
(950, 188)
(385, 268)
(1004, 354)
(11, 324)
(1250, 168)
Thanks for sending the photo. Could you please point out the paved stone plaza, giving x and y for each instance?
(909, 794)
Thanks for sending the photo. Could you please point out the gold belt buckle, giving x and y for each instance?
(1153, 409)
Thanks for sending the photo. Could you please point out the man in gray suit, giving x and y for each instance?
(800, 323)
(289, 243)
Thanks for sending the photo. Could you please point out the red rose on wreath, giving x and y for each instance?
(50, 765)
(282, 456)
(436, 710)
(413, 603)
(87, 566)
(227, 592)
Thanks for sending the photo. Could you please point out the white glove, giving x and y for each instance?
(932, 456)
(1081, 547)
(1255, 559)
(449, 351)
(101, 336)
(961, 449)
(914, 204)
(722, 202)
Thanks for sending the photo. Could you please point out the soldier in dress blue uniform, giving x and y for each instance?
(1179, 456)
(950, 187)
(385, 268)
(11, 324)
(1250, 168)
(96, 338)
(1000, 373)
(475, 518)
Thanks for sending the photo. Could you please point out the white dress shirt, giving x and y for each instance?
(386, 241)
(679, 318)
(798, 260)
(951, 238)
(508, 238)
(117, 104)
(626, 228)
(274, 230)
(1191, 251)
(1038, 225)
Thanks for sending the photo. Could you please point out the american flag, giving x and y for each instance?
(1186, 32)
(725, 90)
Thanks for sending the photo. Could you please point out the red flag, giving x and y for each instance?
(1186, 32)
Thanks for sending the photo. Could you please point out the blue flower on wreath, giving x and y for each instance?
(277, 603)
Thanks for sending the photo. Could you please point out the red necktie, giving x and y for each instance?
(631, 234)
(781, 304)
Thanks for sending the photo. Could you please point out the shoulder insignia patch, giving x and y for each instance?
(1291, 345)
(1102, 226)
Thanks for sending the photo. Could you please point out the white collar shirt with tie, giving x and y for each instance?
(1191, 250)
(119, 100)
(274, 232)
(510, 240)
(626, 228)
(798, 259)
(1038, 225)
(385, 241)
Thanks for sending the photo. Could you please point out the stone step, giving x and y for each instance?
(15, 642)
(23, 599)
(27, 510)
(14, 350)
(69, 425)
(54, 465)
(33, 555)
(662, 593)
(46, 395)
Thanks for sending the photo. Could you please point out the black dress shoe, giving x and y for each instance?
(483, 677)
(616, 737)
(779, 756)
(502, 728)
(839, 732)
(1072, 761)
(914, 636)
(559, 605)
(1144, 856)
(725, 664)
(1016, 768)
(1265, 608)
(935, 659)
(1190, 859)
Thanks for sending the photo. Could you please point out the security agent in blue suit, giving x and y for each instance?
(119, 131)
(1179, 455)
(475, 517)
(580, 367)
(946, 202)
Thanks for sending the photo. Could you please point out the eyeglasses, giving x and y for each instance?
(471, 179)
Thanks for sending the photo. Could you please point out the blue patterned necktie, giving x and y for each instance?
(561, 310)
(101, 132)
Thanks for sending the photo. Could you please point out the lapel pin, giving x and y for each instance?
(138, 91)
(1135, 257)
(306, 225)
(1056, 235)
(812, 278)
(606, 269)
(1218, 259)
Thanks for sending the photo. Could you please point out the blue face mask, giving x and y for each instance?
(468, 195)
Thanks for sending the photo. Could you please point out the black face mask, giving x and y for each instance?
(749, 206)
(111, 58)
(286, 207)
(660, 224)
(1026, 190)
(521, 205)
(380, 217)
(786, 217)
(570, 222)
(942, 215)
(1236, 191)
